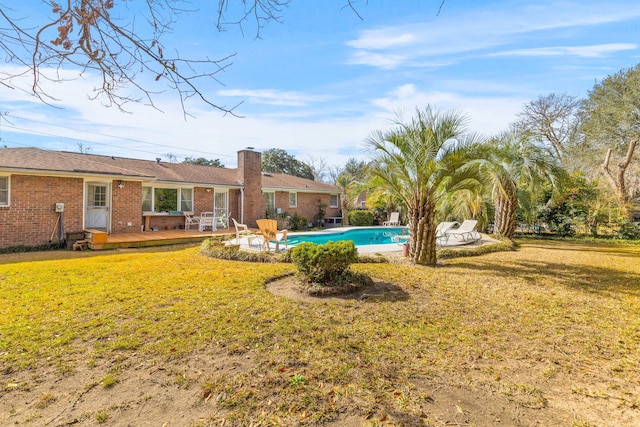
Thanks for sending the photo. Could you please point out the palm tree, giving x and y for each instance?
(345, 182)
(419, 161)
(516, 168)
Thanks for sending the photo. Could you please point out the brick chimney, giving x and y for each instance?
(250, 173)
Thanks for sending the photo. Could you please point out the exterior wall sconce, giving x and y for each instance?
(209, 190)
(121, 184)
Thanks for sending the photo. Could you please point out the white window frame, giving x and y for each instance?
(181, 200)
(273, 196)
(221, 212)
(7, 190)
(294, 195)
(170, 187)
(337, 203)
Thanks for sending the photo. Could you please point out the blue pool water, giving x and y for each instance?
(361, 236)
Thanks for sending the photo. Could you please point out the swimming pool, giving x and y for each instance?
(361, 236)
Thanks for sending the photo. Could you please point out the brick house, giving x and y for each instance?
(120, 195)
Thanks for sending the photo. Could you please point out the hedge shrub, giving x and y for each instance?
(325, 264)
(360, 217)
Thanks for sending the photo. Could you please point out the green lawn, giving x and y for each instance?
(549, 333)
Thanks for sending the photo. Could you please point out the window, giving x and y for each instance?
(186, 200)
(97, 196)
(167, 199)
(293, 200)
(270, 198)
(333, 201)
(147, 199)
(4, 191)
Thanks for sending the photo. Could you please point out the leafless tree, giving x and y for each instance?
(552, 119)
(120, 40)
(109, 38)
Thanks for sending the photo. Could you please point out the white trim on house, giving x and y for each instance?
(8, 190)
(337, 204)
(179, 198)
(273, 195)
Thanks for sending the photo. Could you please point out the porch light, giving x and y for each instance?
(121, 184)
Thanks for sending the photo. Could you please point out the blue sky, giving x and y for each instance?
(320, 81)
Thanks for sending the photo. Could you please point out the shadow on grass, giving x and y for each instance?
(584, 277)
(605, 247)
(60, 254)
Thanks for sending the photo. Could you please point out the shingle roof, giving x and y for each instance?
(63, 162)
(285, 182)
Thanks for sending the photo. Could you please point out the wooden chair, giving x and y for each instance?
(269, 230)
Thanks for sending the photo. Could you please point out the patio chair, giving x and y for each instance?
(269, 230)
(394, 219)
(441, 232)
(241, 230)
(207, 220)
(467, 231)
(190, 220)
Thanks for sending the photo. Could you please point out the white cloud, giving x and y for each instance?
(477, 31)
(487, 114)
(371, 39)
(580, 51)
(273, 97)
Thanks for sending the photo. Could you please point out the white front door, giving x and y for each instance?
(97, 206)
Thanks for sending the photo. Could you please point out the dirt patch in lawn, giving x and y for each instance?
(291, 287)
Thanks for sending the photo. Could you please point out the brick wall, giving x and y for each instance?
(250, 173)
(31, 219)
(307, 205)
(126, 207)
(202, 200)
(234, 205)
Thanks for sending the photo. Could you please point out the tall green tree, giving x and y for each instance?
(514, 167)
(419, 161)
(611, 127)
(202, 161)
(351, 179)
(277, 160)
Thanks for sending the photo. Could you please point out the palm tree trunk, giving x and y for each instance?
(505, 215)
(422, 232)
(344, 207)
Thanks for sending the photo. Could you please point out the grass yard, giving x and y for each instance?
(546, 335)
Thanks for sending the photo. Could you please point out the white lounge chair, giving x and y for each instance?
(467, 231)
(441, 232)
(394, 219)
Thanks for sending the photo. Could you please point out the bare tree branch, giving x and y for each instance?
(104, 37)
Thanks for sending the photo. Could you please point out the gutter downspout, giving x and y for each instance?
(242, 205)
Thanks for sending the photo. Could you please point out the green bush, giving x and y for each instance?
(628, 230)
(298, 222)
(360, 217)
(326, 264)
(215, 248)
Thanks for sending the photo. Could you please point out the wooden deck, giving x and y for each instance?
(151, 238)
